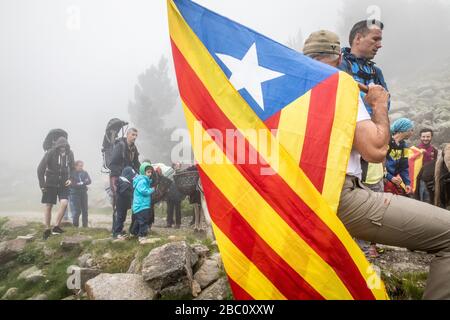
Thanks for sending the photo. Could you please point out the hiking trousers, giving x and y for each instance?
(402, 222)
(79, 206)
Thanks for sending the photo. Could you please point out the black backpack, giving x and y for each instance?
(111, 138)
(52, 137)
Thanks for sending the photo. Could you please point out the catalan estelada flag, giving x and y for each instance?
(276, 229)
(415, 161)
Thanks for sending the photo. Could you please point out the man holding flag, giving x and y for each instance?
(378, 217)
(278, 233)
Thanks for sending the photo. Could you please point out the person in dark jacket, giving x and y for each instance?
(124, 201)
(78, 194)
(173, 199)
(54, 172)
(125, 154)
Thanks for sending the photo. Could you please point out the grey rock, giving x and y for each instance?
(196, 289)
(201, 250)
(208, 273)
(27, 238)
(32, 274)
(119, 287)
(182, 290)
(135, 267)
(219, 290)
(72, 242)
(9, 250)
(166, 265)
(82, 260)
(11, 293)
(107, 256)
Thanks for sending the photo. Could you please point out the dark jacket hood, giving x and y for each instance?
(62, 142)
(128, 173)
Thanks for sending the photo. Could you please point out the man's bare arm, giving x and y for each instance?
(372, 136)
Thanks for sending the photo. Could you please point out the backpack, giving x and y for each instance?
(111, 138)
(52, 137)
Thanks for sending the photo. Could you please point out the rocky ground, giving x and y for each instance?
(175, 264)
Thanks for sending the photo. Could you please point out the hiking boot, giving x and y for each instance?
(57, 230)
(47, 234)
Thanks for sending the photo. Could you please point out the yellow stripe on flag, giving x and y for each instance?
(292, 126)
(244, 272)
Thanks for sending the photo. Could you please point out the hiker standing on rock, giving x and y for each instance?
(54, 180)
(383, 217)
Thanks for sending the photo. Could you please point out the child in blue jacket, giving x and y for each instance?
(142, 201)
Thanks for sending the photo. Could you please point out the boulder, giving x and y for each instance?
(9, 250)
(166, 265)
(182, 290)
(208, 273)
(200, 249)
(82, 260)
(11, 293)
(72, 242)
(219, 290)
(135, 267)
(32, 274)
(119, 286)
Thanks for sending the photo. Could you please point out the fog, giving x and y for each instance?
(74, 64)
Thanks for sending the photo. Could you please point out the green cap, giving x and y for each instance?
(322, 41)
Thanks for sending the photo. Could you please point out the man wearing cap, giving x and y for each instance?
(382, 217)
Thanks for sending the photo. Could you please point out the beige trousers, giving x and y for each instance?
(403, 222)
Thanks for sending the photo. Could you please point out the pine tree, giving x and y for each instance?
(155, 98)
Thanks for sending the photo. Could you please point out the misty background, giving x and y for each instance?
(76, 64)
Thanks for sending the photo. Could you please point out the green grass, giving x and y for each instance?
(407, 286)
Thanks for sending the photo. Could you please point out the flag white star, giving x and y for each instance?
(248, 74)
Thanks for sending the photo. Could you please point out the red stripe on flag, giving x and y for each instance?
(229, 220)
(273, 121)
(272, 188)
(238, 292)
(318, 131)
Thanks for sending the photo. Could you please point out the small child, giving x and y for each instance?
(123, 201)
(142, 201)
(78, 194)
